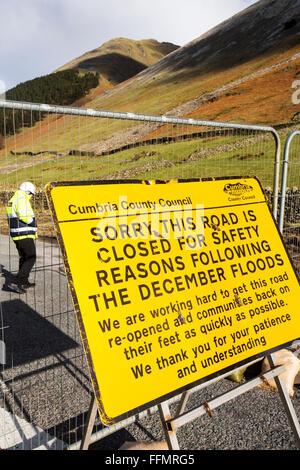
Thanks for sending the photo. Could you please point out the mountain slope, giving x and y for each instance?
(257, 39)
(240, 71)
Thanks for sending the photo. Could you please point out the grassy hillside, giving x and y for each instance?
(178, 159)
(270, 75)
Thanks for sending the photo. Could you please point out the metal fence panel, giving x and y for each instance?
(45, 385)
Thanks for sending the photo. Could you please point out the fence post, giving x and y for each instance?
(2, 352)
(284, 177)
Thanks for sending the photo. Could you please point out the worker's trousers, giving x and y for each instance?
(27, 258)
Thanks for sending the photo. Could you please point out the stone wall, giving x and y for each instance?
(39, 199)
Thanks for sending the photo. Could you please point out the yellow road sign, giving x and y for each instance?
(172, 283)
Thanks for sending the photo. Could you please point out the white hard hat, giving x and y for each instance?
(27, 187)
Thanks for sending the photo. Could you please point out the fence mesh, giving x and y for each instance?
(45, 385)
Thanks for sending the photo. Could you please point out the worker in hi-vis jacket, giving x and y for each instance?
(23, 231)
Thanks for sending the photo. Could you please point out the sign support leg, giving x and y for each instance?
(183, 400)
(85, 442)
(287, 403)
(170, 434)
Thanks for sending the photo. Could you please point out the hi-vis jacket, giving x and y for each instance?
(21, 219)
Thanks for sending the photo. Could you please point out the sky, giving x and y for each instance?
(39, 36)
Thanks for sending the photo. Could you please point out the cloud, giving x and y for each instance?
(42, 35)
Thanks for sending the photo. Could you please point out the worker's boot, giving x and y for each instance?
(18, 285)
(28, 284)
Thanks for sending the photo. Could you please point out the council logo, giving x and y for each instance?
(237, 189)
